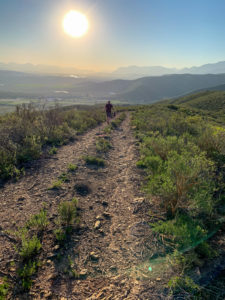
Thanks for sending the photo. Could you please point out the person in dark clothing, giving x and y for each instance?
(108, 110)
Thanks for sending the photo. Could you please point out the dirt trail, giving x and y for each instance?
(113, 231)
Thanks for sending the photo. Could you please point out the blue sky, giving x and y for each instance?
(173, 33)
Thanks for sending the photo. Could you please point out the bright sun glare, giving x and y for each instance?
(75, 24)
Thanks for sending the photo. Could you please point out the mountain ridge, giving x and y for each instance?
(126, 72)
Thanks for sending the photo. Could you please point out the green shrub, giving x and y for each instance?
(61, 135)
(153, 163)
(107, 129)
(102, 145)
(204, 250)
(183, 262)
(183, 285)
(183, 231)
(184, 180)
(30, 149)
(68, 212)
(26, 272)
(72, 167)
(7, 162)
(4, 286)
(38, 221)
(56, 185)
(53, 150)
(29, 247)
(64, 177)
(60, 235)
(23, 134)
(67, 218)
(94, 161)
(75, 201)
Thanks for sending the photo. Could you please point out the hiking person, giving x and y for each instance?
(108, 110)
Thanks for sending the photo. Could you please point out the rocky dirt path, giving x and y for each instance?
(113, 236)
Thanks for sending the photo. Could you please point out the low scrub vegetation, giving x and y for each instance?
(72, 167)
(64, 177)
(182, 153)
(67, 219)
(53, 150)
(4, 286)
(56, 185)
(29, 247)
(38, 222)
(116, 122)
(94, 161)
(26, 272)
(25, 133)
(184, 286)
(103, 145)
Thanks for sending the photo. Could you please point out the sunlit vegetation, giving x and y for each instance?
(25, 133)
(56, 185)
(29, 246)
(94, 161)
(39, 221)
(213, 101)
(72, 167)
(182, 154)
(184, 285)
(67, 219)
(103, 145)
(4, 286)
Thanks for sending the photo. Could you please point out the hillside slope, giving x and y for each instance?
(206, 100)
(151, 89)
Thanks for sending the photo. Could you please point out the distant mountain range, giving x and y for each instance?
(134, 72)
(130, 72)
(142, 90)
(43, 69)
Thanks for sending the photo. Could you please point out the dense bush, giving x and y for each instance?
(24, 133)
(182, 153)
(179, 172)
(183, 231)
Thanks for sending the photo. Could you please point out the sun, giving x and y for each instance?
(75, 24)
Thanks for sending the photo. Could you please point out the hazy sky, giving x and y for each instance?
(173, 33)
